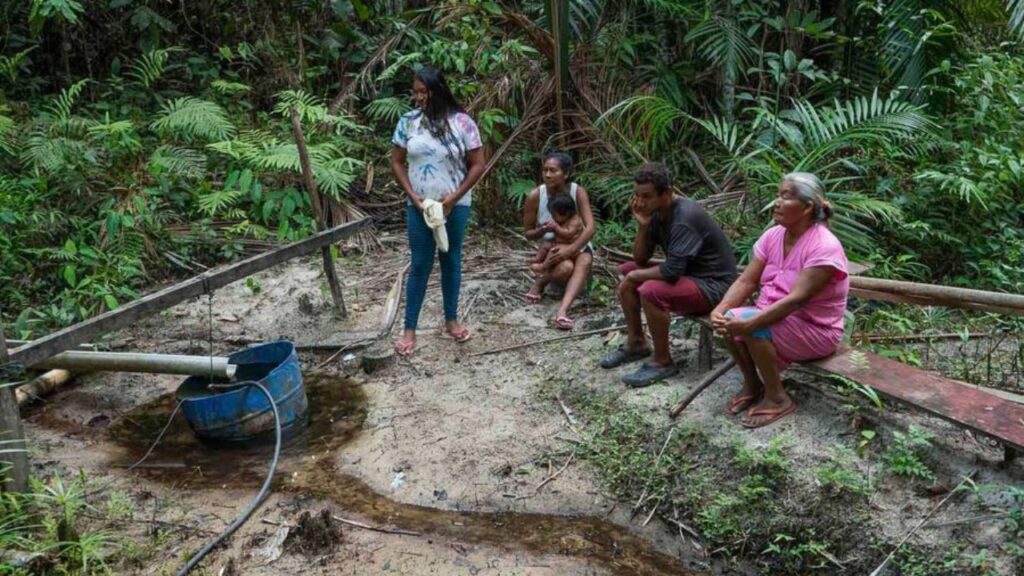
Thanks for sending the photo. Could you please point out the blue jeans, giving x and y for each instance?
(423, 247)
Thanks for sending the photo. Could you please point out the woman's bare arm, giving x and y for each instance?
(401, 172)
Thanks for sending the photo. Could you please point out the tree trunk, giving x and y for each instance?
(318, 214)
(12, 436)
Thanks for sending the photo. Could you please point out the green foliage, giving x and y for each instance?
(905, 454)
(50, 522)
(840, 475)
(797, 556)
(191, 119)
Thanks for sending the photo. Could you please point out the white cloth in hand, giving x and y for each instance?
(433, 215)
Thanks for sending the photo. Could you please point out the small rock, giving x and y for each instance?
(306, 304)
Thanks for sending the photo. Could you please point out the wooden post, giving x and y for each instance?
(10, 429)
(705, 348)
(318, 214)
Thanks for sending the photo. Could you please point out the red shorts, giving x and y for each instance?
(683, 296)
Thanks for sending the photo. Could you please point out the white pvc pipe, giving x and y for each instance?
(83, 361)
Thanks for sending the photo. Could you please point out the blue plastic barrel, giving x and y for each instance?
(243, 413)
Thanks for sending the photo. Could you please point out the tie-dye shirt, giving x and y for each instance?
(437, 166)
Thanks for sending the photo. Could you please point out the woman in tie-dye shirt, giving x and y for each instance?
(437, 154)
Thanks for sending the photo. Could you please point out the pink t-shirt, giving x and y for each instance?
(817, 247)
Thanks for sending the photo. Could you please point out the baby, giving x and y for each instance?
(565, 227)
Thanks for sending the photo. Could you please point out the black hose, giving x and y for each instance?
(263, 491)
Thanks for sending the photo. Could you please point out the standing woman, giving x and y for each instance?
(572, 262)
(441, 145)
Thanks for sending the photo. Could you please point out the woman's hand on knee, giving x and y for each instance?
(736, 326)
(718, 322)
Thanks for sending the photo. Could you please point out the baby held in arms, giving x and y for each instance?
(564, 228)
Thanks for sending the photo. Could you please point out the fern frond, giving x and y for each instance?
(217, 201)
(390, 71)
(309, 107)
(182, 162)
(151, 65)
(335, 177)
(60, 109)
(229, 88)
(9, 65)
(7, 135)
(388, 109)
(193, 118)
(44, 154)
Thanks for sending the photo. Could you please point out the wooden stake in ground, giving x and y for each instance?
(318, 214)
(12, 437)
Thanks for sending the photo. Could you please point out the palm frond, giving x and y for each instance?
(193, 118)
(724, 44)
(856, 122)
(1016, 10)
(652, 120)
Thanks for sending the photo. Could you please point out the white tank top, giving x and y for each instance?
(543, 216)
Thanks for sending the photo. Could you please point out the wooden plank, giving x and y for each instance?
(11, 433)
(957, 402)
(50, 345)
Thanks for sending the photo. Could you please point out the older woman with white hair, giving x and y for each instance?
(800, 268)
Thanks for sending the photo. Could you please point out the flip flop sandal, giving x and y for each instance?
(774, 414)
(564, 323)
(647, 375)
(460, 336)
(739, 403)
(621, 356)
(404, 348)
(532, 298)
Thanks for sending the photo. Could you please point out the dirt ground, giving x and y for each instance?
(470, 458)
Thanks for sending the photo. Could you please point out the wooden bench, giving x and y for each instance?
(957, 402)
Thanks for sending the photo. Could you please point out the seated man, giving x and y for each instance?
(699, 267)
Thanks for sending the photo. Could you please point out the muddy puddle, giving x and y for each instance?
(337, 412)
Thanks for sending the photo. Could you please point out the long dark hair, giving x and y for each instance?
(441, 104)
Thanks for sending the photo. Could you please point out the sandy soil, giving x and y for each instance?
(447, 445)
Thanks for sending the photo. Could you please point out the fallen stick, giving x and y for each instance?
(555, 475)
(707, 381)
(391, 303)
(549, 340)
(376, 528)
(920, 337)
(568, 414)
(684, 527)
(878, 571)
